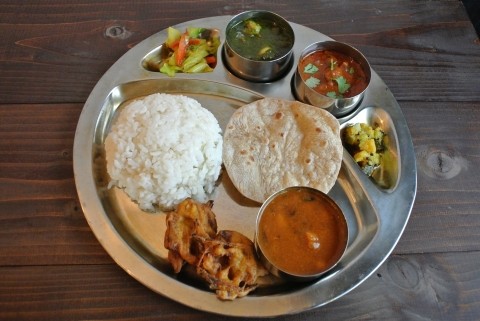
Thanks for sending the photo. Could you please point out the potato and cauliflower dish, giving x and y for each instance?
(365, 144)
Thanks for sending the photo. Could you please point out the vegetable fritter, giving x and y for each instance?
(225, 260)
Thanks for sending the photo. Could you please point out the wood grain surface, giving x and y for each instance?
(52, 53)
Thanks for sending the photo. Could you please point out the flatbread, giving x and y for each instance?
(272, 143)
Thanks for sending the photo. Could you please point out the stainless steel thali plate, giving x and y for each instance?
(377, 210)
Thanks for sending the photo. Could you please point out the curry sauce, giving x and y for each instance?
(302, 232)
(333, 74)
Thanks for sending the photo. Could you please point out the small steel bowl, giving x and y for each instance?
(337, 106)
(329, 234)
(258, 70)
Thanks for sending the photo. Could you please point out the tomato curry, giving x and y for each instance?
(333, 74)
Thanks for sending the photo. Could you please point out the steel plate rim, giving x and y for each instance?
(250, 306)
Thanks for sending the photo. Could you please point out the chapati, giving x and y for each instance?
(273, 143)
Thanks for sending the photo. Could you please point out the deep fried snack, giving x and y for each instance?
(187, 227)
(226, 261)
(229, 265)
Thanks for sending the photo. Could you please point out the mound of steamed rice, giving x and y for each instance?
(162, 149)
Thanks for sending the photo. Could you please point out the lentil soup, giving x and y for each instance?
(302, 232)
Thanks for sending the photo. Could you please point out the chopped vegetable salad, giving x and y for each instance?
(192, 51)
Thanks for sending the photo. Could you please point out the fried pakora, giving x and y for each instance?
(225, 260)
(189, 219)
(229, 265)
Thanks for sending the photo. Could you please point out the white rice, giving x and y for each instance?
(164, 148)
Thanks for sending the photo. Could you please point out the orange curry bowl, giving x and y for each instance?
(301, 233)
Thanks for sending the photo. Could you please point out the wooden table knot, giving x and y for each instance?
(440, 163)
(117, 32)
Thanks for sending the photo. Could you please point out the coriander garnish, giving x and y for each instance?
(343, 86)
(312, 82)
(310, 69)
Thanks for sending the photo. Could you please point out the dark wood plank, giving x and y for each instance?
(445, 216)
(38, 199)
(56, 53)
(411, 287)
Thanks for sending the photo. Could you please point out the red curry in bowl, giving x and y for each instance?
(333, 74)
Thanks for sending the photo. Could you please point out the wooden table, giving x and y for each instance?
(53, 52)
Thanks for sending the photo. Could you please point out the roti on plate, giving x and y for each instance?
(272, 143)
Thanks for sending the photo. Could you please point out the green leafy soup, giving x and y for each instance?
(260, 39)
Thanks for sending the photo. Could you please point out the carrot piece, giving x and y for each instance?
(182, 49)
(174, 45)
(194, 41)
(211, 60)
